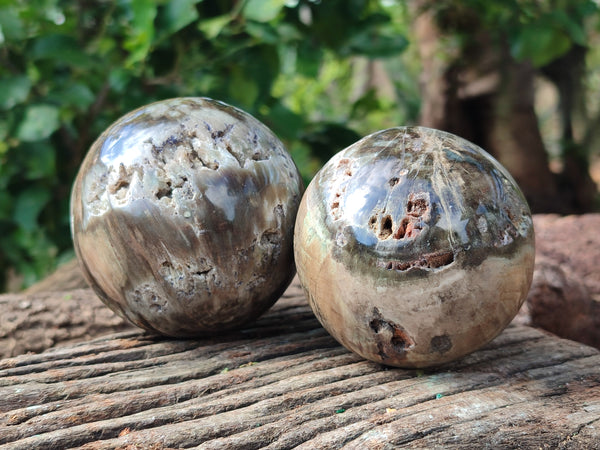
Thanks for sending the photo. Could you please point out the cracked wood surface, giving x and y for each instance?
(284, 382)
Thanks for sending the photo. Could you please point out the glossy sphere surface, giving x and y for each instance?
(415, 247)
(182, 217)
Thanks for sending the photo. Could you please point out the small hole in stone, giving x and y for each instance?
(394, 181)
(509, 214)
(402, 266)
(427, 261)
(399, 342)
(376, 325)
(439, 259)
(386, 227)
(440, 344)
(271, 238)
(278, 211)
(373, 223)
(416, 207)
(392, 340)
(121, 184)
(165, 192)
(401, 231)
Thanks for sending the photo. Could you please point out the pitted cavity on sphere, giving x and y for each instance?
(409, 226)
(391, 338)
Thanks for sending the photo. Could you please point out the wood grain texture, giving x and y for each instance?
(33, 322)
(284, 382)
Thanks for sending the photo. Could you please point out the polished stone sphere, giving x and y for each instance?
(414, 246)
(182, 217)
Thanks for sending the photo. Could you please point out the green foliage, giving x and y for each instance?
(549, 30)
(69, 68)
(538, 31)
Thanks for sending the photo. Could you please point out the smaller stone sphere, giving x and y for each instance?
(415, 247)
(182, 217)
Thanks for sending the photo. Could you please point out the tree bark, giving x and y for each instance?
(283, 382)
(481, 93)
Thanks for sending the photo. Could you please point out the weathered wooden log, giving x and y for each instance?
(35, 322)
(284, 382)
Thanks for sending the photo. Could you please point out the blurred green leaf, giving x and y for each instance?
(119, 78)
(286, 123)
(28, 205)
(575, 30)
(3, 131)
(263, 10)
(13, 91)
(374, 44)
(177, 14)
(540, 44)
(40, 162)
(40, 121)
(307, 164)
(11, 26)
(5, 205)
(243, 88)
(8, 171)
(365, 104)
(212, 27)
(326, 138)
(33, 73)
(263, 32)
(308, 59)
(77, 95)
(139, 41)
(289, 32)
(64, 49)
(253, 73)
(40, 249)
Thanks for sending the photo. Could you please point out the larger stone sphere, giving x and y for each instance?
(415, 247)
(182, 217)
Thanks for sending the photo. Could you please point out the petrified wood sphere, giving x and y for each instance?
(182, 217)
(415, 247)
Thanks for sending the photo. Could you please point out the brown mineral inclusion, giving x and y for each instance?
(414, 246)
(182, 217)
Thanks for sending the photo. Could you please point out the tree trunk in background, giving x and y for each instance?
(514, 136)
(478, 91)
(567, 73)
